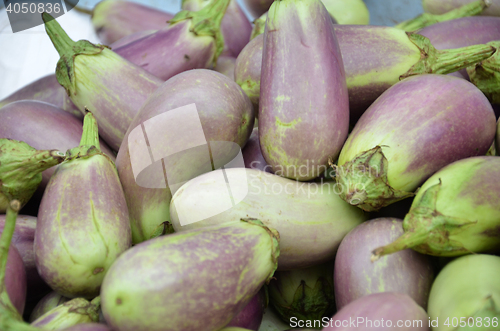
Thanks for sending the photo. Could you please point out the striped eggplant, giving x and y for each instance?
(466, 293)
(83, 223)
(455, 212)
(303, 88)
(47, 303)
(250, 317)
(88, 327)
(46, 89)
(115, 19)
(235, 26)
(348, 11)
(380, 311)
(303, 294)
(15, 279)
(72, 312)
(355, 275)
(195, 280)
(21, 168)
(191, 40)
(415, 128)
(310, 217)
(444, 6)
(185, 113)
(131, 38)
(247, 69)
(99, 79)
(252, 154)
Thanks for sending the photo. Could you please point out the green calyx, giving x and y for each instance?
(21, 168)
(68, 50)
(73, 312)
(363, 181)
(426, 19)
(486, 75)
(259, 25)
(446, 61)
(89, 144)
(427, 231)
(206, 22)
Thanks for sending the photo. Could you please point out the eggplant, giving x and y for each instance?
(99, 79)
(257, 7)
(348, 11)
(252, 154)
(250, 317)
(191, 40)
(46, 89)
(466, 293)
(310, 217)
(47, 303)
(115, 19)
(415, 128)
(444, 6)
(15, 279)
(83, 223)
(380, 311)
(235, 26)
(225, 65)
(455, 212)
(202, 278)
(131, 38)
(247, 69)
(296, 97)
(72, 312)
(406, 272)
(303, 294)
(497, 140)
(88, 327)
(21, 169)
(222, 117)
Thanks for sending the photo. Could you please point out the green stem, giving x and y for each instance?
(62, 42)
(426, 19)
(407, 240)
(90, 135)
(445, 61)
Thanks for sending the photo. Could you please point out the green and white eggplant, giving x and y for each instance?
(72, 312)
(46, 304)
(455, 212)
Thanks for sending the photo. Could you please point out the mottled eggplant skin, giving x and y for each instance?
(250, 316)
(80, 233)
(156, 52)
(252, 154)
(15, 279)
(387, 306)
(426, 122)
(225, 65)
(46, 89)
(115, 19)
(44, 127)
(47, 303)
(444, 6)
(303, 90)
(88, 327)
(311, 218)
(355, 275)
(196, 280)
(248, 67)
(226, 115)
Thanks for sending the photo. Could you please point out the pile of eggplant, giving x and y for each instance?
(200, 172)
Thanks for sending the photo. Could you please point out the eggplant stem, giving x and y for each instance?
(90, 135)
(62, 42)
(407, 240)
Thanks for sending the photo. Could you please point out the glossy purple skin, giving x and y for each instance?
(303, 109)
(435, 119)
(43, 126)
(252, 154)
(355, 275)
(375, 307)
(15, 279)
(250, 317)
(88, 327)
(46, 89)
(127, 17)
(170, 51)
(131, 38)
(248, 68)
(444, 6)
(225, 65)
(202, 87)
(47, 303)
(258, 7)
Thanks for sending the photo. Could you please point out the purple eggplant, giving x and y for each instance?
(355, 275)
(72, 312)
(225, 65)
(252, 154)
(258, 7)
(415, 128)
(444, 6)
(497, 140)
(250, 316)
(115, 19)
(46, 89)
(131, 38)
(235, 26)
(15, 279)
(83, 223)
(380, 311)
(303, 88)
(212, 274)
(46, 304)
(192, 40)
(224, 115)
(88, 327)
(247, 69)
(97, 78)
